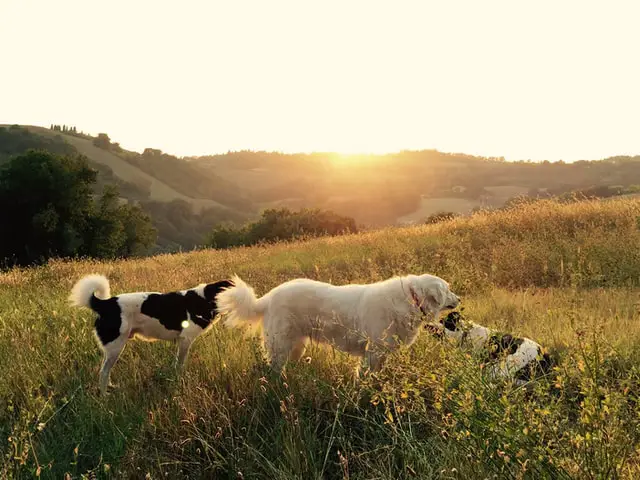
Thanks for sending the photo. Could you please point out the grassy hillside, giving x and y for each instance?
(158, 190)
(566, 275)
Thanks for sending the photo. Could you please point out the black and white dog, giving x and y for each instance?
(179, 316)
(507, 356)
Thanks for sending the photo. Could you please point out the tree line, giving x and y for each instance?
(49, 210)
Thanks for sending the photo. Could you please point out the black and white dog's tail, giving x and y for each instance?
(83, 293)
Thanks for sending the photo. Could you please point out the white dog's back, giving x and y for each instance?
(349, 317)
(301, 297)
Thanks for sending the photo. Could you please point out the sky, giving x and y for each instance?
(555, 80)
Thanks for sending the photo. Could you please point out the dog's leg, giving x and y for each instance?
(112, 351)
(282, 349)
(297, 351)
(376, 361)
(184, 344)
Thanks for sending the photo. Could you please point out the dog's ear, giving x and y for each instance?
(421, 299)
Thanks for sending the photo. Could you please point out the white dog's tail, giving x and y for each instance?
(239, 304)
(83, 291)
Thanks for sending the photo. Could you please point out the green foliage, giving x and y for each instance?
(102, 141)
(15, 140)
(180, 227)
(119, 229)
(282, 224)
(440, 217)
(49, 211)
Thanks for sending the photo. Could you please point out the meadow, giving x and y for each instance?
(566, 275)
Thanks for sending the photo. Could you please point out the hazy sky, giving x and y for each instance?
(525, 80)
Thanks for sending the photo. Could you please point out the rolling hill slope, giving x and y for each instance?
(159, 191)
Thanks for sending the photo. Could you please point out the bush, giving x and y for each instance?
(282, 224)
(440, 217)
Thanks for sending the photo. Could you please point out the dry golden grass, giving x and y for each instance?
(565, 275)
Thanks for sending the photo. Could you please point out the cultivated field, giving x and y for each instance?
(565, 275)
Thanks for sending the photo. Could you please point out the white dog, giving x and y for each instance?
(179, 316)
(363, 320)
(508, 356)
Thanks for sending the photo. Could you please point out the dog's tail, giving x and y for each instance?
(239, 305)
(83, 292)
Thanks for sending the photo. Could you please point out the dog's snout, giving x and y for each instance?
(455, 301)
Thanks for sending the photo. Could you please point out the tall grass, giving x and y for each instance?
(565, 275)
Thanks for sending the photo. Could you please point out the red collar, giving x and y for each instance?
(417, 303)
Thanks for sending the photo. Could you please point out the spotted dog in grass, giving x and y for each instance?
(178, 316)
(508, 356)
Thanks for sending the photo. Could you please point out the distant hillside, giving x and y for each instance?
(182, 221)
(408, 186)
(136, 172)
(187, 196)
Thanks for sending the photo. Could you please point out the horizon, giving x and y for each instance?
(545, 82)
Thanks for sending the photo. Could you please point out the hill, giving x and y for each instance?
(407, 187)
(375, 190)
(125, 170)
(567, 275)
(182, 221)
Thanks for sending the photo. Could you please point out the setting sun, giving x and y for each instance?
(543, 80)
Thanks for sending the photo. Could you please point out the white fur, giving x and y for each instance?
(361, 320)
(133, 323)
(83, 290)
(477, 337)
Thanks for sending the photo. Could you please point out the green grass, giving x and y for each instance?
(565, 275)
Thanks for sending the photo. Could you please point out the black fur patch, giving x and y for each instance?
(452, 321)
(502, 345)
(200, 310)
(541, 366)
(171, 308)
(108, 322)
(213, 289)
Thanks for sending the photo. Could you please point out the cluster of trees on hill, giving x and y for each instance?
(49, 210)
(69, 130)
(16, 139)
(63, 129)
(282, 224)
(180, 227)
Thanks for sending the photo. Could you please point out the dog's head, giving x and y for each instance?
(450, 326)
(432, 294)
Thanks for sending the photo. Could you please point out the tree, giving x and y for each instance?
(48, 211)
(46, 200)
(119, 229)
(102, 141)
(282, 224)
